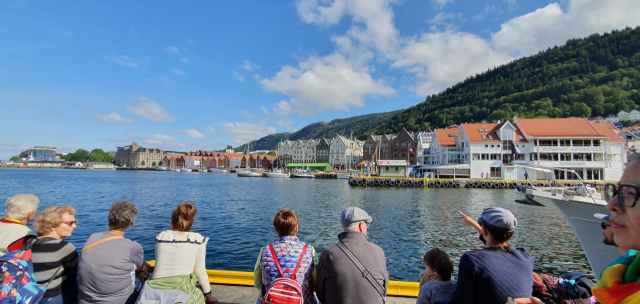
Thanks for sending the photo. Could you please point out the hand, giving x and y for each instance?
(211, 299)
(529, 300)
(469, 222)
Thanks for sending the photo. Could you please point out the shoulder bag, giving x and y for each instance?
(365, 272)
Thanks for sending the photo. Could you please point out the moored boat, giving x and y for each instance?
(278, 174)
(161, 168)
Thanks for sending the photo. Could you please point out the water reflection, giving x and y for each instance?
(237, 214)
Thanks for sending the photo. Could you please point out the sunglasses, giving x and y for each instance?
(627, 194)
(604, 225)
(70, 223)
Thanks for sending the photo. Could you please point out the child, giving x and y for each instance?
(439, 266)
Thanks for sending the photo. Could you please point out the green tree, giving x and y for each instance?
(142, 163)
(153, 164)
(160, 164)
(271, 153)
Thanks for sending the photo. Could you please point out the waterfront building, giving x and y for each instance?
(180, 160)
(42, 163)
(229, 150)
(612, 118)
(490, 151)
(169, 161)
(234, 160)
(344, 151)
(378, 147)
(135, 156)
(404, 147)
(99, 165)
(193, 161)
(285, 152)
(633, 115)
(392, 168)
(423, 140)
(42, 153)
(304, 151)
(74, 164)
(266, 161)
(322, 150)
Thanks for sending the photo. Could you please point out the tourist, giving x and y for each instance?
(21, 209)
(178, 253)
(288, 248)
(440, 267)
(498, 271)
(607, 232)
(619, 282)
(55, 261)
(108, 261)
(339, 279)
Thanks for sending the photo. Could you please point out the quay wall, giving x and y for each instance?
(407, 182)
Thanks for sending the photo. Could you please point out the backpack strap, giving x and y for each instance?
(105, 240)
(275, 258)
(365, 272)
(299, 261)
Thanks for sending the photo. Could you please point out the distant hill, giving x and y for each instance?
(357, 124)
(595, 76)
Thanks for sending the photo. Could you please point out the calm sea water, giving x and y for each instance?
(237, 214)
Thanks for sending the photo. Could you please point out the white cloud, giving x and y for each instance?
(184, 60)
(440, 3)
(171, 49)
(122, 60)
(50, 111)
(256, 77)
(178, 72)
(326, 83)
(24, 96)
(441, 59)
(210, 129)
(550, 25)
(158, 140)
(8, 150)
(112, 117)
(166, 82)
(237, 76)
(194, 134)
(250, 66)
(150, 109)
(242, 132)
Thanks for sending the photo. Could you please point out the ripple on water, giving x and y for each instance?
(237, 214)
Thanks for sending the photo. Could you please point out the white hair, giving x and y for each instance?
(20, 205)
(352, 227)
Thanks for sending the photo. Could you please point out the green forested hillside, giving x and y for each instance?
(597, 75)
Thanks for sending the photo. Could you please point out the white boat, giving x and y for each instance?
(161, 168)
(218, 170)
(278, 174)
(304, 174)
(187, 170)
(578, 205)
(344, 176)
(175, 169)
(247, 173)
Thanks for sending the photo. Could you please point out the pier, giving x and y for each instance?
(408, 182)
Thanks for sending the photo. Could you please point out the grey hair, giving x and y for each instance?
(20, 205)
(122, 215)
(352, 227)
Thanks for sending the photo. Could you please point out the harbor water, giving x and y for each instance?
(237, 214)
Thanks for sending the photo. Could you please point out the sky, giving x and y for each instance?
(207, 74)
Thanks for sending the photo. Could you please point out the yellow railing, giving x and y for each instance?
(243, 278)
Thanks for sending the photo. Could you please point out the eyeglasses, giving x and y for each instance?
(70, 223)
(627, 194)
(604, 225)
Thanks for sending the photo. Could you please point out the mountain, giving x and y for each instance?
(595, 76)
(358, 125)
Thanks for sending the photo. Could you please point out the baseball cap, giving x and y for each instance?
(353, 215)
(499, 219)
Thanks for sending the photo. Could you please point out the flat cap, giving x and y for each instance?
(499, 219)
(353, 215)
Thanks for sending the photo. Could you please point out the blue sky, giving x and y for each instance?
(202, 75)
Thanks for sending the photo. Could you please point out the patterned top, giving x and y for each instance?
(436, 292)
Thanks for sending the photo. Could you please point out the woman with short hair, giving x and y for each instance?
(498, 271)
(55, 261)
(179, 252)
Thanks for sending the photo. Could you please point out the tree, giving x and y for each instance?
(160, 164)
(271, 153)
(142, 163)
(153, 164)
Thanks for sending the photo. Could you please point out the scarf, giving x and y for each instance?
(620, 281)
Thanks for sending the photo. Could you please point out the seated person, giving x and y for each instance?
(21, 209)
(288, 250)
(106, 271)
(178, 253)
(440, 267)
(55, 261)
(498, 271)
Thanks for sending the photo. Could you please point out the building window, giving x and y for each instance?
(533, 156)
(496, 172)
(496, 156)
(581, 143)
(486, 146)
(476, 156)
(485, 156)
(565, 142)
(548, 143)
(565, 156)
(549, 156)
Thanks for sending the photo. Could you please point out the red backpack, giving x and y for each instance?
(283, 290)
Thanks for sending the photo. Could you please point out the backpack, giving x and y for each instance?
(19, 284)
(283, 290)
(569, 288)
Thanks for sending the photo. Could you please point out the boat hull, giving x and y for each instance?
(579, 211)
(344, 176)
(277, 175)
(303, 176)
(249, 174)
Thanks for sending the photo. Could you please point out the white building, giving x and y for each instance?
(303, 151)
(344, 151)
(423, 139)
(594, 150)
(234, 161)
(99, 165)
(192, 161)
(633, 115)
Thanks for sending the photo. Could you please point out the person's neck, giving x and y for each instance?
(51, 235)
(439, 279)
(116, 232)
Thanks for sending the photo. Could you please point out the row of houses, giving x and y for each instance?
(211, 159)
(339, 151)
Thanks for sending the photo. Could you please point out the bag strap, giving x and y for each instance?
(275, 258)
(54, 276)
(111, 238)
(365, 272)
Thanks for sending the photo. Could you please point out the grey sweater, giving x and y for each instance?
(340, 281)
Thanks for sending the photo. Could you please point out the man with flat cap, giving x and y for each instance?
(340, 278)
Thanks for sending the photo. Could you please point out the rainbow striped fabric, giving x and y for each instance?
(620, 281)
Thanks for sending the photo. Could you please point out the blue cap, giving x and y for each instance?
(499, 219)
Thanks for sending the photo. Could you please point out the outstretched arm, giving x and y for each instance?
(469, 222)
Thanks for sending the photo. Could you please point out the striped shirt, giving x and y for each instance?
(51, 256)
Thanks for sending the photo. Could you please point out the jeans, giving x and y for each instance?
(67, 297)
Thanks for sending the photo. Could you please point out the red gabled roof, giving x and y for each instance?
(557, 127)
(443, 137)
(473, 133)
(608, 129)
